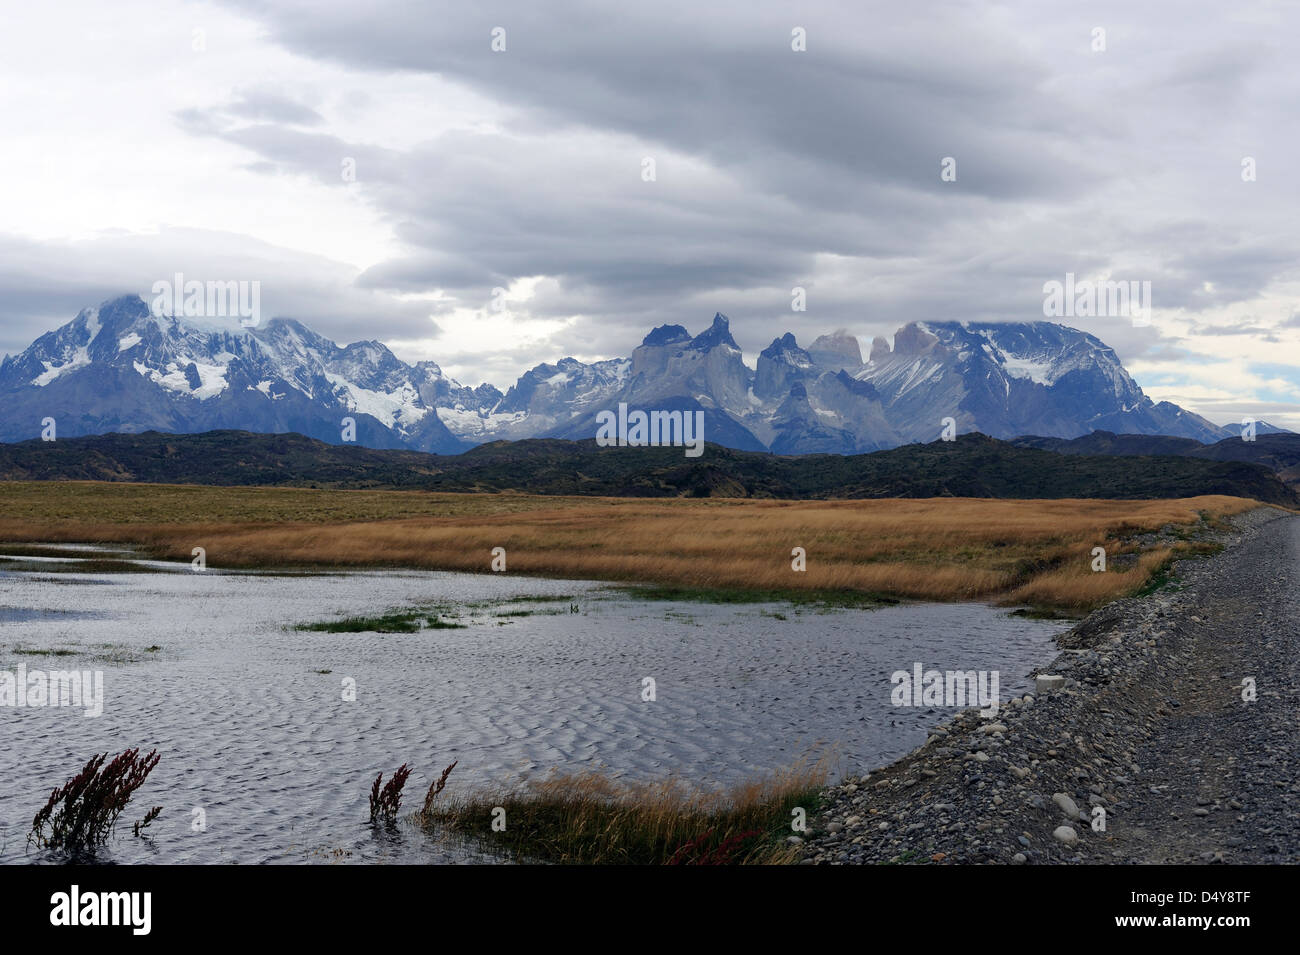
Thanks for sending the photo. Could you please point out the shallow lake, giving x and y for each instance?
(250, 716)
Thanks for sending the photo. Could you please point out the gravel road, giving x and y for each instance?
(1150, 736)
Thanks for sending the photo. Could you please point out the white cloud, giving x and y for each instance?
(130, 151)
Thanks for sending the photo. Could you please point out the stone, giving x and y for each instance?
(1066, 834)
(1068, 805)
(1045, 683)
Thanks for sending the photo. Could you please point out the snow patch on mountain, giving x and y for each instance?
(390, 408)
(80, 358)
(1039, 372)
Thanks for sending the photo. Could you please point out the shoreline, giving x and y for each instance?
(1149, 732)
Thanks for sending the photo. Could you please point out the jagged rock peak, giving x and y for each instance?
(719, 333)
(667, 335)
(784, 346)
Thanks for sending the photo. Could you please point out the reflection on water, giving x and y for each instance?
(259, 743)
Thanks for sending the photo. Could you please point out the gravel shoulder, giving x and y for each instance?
(1150, 727)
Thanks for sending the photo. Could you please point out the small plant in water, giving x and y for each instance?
(144, 823)
(435, 788)
(384, 803)
(80, 815)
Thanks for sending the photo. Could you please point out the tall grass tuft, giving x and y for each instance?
(80, 814)
(591, 819)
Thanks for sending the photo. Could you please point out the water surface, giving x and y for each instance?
(250, 717)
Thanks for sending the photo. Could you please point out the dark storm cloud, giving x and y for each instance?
(772, 164)
(766, 159)
(485, 209)
(879, 96)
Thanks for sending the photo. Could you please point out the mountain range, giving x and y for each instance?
(971, 466)
(121, 368)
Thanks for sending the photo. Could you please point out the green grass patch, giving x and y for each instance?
(1160, 577)
(1044, 613)
(388, 623)
(437, 623)
(538, 598)
(96, 566)
(69, 553)
(404, 621)
(827, 599)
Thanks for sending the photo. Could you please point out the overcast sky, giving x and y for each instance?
(146, 137)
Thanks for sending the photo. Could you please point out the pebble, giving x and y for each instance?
(1068, 805)
(1066, 834)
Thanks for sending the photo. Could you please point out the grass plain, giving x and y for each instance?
(1031, 552)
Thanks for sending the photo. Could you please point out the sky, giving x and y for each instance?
(494, 185)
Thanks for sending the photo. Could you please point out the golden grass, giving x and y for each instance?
(1035, 552)
(589, 818)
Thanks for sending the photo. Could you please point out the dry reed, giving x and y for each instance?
(937, 549)
(591, 819)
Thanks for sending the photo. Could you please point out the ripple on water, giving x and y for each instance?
(254, 735)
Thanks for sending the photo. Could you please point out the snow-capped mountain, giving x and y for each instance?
(544, 398)
(673, 371)
(1013, 379)
(120, 368)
